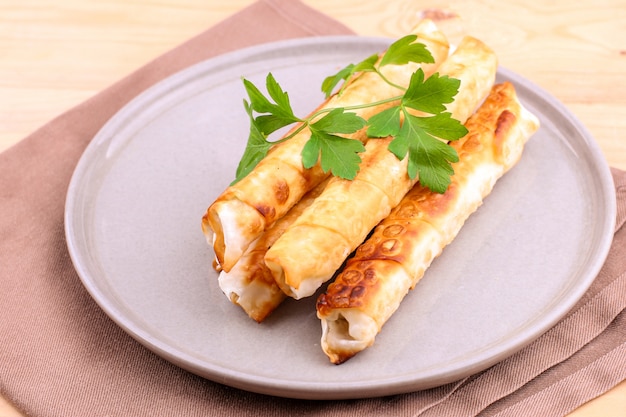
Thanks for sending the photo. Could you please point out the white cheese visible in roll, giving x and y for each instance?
(250, 284)
(242, 212)
(394, 258)
(315, 246)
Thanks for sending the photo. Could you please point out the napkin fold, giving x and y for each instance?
(60, 355)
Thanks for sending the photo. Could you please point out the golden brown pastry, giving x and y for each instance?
(315, 246)
(242, 212)
(250, 284)
(389, 263)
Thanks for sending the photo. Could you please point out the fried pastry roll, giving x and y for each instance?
(315, 246)
(394, 258)
(250, 284)
(242, 212)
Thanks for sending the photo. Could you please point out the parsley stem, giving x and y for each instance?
(303, 124)
(388, 81)
(355, 107)
(306, 121)
(374, 103)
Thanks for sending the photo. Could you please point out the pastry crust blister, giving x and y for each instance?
(250, 283)
(273, 237)
(294, 181)
(418, 229)
(344, 214)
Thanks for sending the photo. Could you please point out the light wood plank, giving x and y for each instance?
(54, 54)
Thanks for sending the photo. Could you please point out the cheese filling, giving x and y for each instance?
(348, 331)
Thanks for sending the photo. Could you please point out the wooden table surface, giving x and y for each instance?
(54, 54)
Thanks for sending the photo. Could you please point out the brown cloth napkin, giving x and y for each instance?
(60, 355)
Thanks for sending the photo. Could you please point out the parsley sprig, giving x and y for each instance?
(417, 121)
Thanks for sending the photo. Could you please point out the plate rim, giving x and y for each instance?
(323, 389)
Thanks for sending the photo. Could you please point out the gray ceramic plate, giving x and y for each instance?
(133, 231)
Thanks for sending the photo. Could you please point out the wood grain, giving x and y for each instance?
(54, 54)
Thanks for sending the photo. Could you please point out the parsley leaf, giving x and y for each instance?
(431, 94)
(256, 148)
(386, 123)
(278, 114)
(330, 82)
(400, 52)
(273, 115)
(421, 137)
(429, 157)
(368, 64)
(442, 126)
(406, 50)
(418, 137)
(336, 154)
(339, 121)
